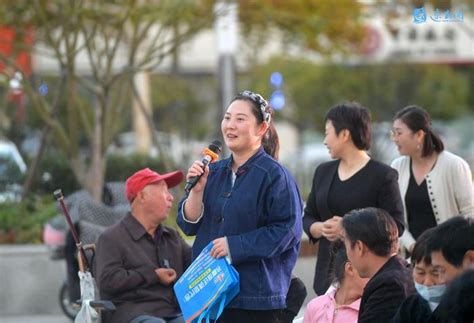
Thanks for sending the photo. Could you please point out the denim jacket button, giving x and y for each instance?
(226, 194)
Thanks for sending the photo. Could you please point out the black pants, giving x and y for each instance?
(72, 266)
(294, 300)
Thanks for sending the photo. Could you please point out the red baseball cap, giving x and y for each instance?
(146, 176)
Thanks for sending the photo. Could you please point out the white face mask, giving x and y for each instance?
(432, 294)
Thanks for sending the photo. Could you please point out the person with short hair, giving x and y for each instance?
(371, 240)
(451, 247)
(435, 184)
(418, 307)
(352, 181)
(139, 258)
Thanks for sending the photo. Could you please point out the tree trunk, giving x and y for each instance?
(95, 173)
(140, 125)
(36, 161)
(164, 158)
(44, 140)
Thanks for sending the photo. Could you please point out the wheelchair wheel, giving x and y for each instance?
(69, 308)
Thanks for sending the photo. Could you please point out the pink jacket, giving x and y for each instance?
(322, 309)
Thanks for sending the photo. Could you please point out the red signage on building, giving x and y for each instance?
(16, 46)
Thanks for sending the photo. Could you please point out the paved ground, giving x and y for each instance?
(35, 319)
(51, 318)
(21, 288)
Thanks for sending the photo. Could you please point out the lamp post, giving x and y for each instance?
(225, 26)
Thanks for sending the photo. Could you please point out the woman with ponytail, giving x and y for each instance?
(250, 207)
(435, 184)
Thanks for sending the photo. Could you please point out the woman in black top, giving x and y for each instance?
(417, 201)
(352, 181)
(435, 184)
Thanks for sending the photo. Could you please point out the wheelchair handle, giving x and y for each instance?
(58, 194)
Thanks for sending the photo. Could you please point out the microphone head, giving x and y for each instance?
(213, 150)
(216, 146)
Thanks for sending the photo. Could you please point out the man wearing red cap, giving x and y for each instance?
(138, 259)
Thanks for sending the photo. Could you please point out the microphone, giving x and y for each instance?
(211, 154)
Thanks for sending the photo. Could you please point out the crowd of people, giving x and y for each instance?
(360, 211)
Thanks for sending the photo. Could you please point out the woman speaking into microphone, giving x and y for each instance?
(250, 207)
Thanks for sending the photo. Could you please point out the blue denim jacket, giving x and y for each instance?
(261, 216)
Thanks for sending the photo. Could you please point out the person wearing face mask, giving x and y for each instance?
(249, 206)
(451, 248)
(435, 184)
(419, 307)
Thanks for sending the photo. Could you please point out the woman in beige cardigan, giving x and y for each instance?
(435, 184)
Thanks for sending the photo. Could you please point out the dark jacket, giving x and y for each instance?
(414, 309)
(385, 291)
(126, 259)
(378, 189)
(261, 217)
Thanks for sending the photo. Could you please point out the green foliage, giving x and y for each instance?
(119, 167)
(312, 89)
(322, 26)
(55, 173)
(176, 103)
(445, 92)
(23, 222)
(119, 39)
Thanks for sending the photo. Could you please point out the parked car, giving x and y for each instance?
(12, 172)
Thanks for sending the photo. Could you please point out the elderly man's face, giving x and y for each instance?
(157, 201)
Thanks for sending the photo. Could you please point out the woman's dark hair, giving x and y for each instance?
(419, 250)
(355, 118)
(338, 262)
(416, 118)
(264, 113)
